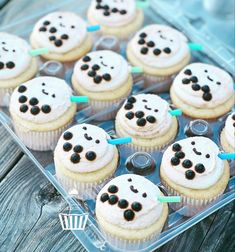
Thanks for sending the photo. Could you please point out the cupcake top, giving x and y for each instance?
(101, 71)
(145, 115)
(41, 99)
(229, 129)
(84, 148)
(113, 12)
(159, 46)
(129, 201)
(193, 163)
(60, 32)
(203, 86)
(14, 56)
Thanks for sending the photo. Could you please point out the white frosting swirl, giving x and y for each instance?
(50, 91)
(219, 82)
(92, 139)
(151, 208)
(162, 37)
(121, 12)
(63, 23)
(108, 62)
(15, 50)
(229, 130)
(199, 150)
(150, 105)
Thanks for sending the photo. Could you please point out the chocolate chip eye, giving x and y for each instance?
(43, 84)
(13, 50)
(205, 71)
(101, 57)
(112, 67)
(85, 128)
(129, 180)
(72, 26)
(193, 143)
(3, 43)
(144, 195)
(207, 155)
(53, 95)
(171, 40)
(97, 141)
(60, 17)
(144, 100)
(218, 83)
(155, 110)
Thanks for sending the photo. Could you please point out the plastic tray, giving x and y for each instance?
(91, 237)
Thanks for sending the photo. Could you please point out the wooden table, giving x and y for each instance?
(29, 205)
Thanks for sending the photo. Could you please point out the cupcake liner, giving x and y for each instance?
(192, 206)
(39, 140)
(5, 95)
(157, 83)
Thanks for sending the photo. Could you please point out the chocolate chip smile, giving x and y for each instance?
(44, 92)
(62, 25)
(161, 36)
(4, 49)
(147, 107)
(133, 189)
(209, 78)
(197, 152)
(103, 64)
(87, 137)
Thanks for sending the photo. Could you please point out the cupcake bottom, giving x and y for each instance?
(226, 146)
(5, 95)
(132, 239)
(107, 101)
(195, 200)
(148, 144)
(121, 32)
(85, 185)
(74, 54)
(203, 113)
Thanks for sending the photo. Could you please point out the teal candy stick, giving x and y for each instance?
(79, 99)
(92, 28)
(169, 199)
(175, 112)
(195, 47)
(136, 69)
(142, 4)
(38, 51)
(226, 156)
(123, 140)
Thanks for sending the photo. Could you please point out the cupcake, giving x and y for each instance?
(16, 65)
(227, 137)
(192, 169)
(84, 159)
(129, 213)
(160, 50)
(64, 34)
(103, 76)
(203, 91)
(146, 118)
(41, 110)
(118, 18)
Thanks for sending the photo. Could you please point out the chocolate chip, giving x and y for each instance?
(194, 79)
(175, 161)
(52, 30)
(128, 106)
(67, 135)
(10, 64)
(144, 195)
(86, 59)
(187, 163)
(24, 108)
(113, 189)
(180, 154)
(189, 174)
(92, 73)
(104, 197)
(78, 148)
(97, 79)
(42, 29)
(52, 38)
(156, 51)
(95, 67)
(139, 114)
(35, 110)
(129, 215)
(176, 147)
(233, 116)
(22, 99)
(207, 96)
(141, 122)
(46, 22)
(123, 12)
(22, 89)
(185, 81)
(131, 99)
(196, 87)
(188, 72)
(151, 44)
(67, 146)
(122, 203)
(64, 36)
(167, 50)
(143, 35)
(207, 155)
(144, 50)
(98, 7)
(193, 143)
(205, 88)
(199, 168)
(113, 199)
(151, 119)
(141, 42)
(46, 109)
(106, 13)
(33, 101)
(58, 43)
(106, 7)
(90, 155)
(107, 77)
(1, 65)
(129, 115)
(114, 10)
(136, 206)
(218, 83)
(97, 141)
(75, 158)
(84, 67)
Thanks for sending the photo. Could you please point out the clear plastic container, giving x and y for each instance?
(216, 52)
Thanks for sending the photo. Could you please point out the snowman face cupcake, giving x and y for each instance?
(14, 56)
(41, 100)
(84, 148)
(129, 201)
(159, 46)
(193, 163)
(203, 86)
(60, 32)
(101, 71)
(229, 130)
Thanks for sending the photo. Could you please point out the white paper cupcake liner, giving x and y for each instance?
(5, 95)
(157, 83)
(40, 140)
(192, 206)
